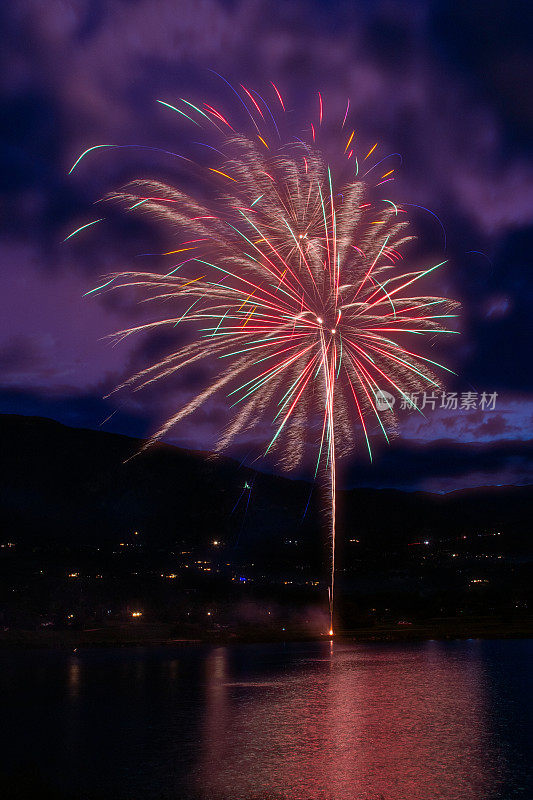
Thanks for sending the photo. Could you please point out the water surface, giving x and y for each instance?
(428, 721)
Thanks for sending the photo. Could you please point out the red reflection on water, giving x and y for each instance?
(216, 707)
(354, 722)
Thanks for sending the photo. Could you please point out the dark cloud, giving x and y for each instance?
(18, 353)
(501, 417)
(492, 41)
(79, 411)
(444, 466)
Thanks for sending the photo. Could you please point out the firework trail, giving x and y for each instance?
(293, 279)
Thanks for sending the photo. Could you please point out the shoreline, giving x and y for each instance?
(161, 636)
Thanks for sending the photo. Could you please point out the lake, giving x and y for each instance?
(424, 721)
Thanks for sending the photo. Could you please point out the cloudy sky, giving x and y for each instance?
(445, 84)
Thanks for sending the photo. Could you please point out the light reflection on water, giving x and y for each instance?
(427, 721)
(409, 724)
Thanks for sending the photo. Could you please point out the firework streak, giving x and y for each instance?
(293, 280)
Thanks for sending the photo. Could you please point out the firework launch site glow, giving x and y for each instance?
(292, 278)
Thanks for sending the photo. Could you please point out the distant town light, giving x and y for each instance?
(136, 613)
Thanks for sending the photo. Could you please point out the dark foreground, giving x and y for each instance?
(328, 720)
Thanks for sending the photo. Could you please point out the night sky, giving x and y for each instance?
(446, 84)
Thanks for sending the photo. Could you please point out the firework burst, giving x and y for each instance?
(293, 281)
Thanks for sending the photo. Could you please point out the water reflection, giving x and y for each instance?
(216, 709)
(74, 677)
(413, 722)
(407, 723)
